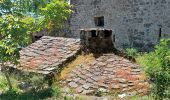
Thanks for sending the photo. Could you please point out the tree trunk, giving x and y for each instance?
(7, 76)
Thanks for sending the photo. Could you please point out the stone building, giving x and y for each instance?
(134, 23)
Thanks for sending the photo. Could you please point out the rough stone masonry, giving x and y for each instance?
(135, 23)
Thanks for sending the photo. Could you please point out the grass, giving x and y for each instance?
(3, 82)
(4, 85)
(79, 60)
(33, 94)
(30, 95)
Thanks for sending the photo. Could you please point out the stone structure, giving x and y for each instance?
(48, 55)
(96, 40)
(108, 73)
(135, 23)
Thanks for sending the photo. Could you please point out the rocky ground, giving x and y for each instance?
(108, 74)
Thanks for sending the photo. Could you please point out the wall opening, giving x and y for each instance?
(107, 33)
(99, 21)
(114, 38)
(93, 33)
(160, 32)
(37, 37)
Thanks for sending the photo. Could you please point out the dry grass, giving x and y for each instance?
(79, 60)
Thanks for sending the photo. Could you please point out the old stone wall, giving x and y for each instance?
(135, 23)
(96, 40)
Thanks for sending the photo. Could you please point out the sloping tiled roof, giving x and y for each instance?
(110, 73)
(48, 54)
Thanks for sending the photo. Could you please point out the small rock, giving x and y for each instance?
(87, 92)
(131, 84)
(140, 91)
(93, 63)
(116, 87)
(104, 85)
(124, 85)
(105, 99)
(134, 67)
(24, 86)
(89, 75)
(82, 81)
(134, 73)
(101, 64)
(82, 76)
(125, 89)
(110, 66)
(50, 69)
(136, 70)
(89, 80)
(97, 72)
(122, 95)
(96, 78)
(69, 80)
(76, 79)
(63, 82)
(111, 60)
(79, 89)
(66, 90)
(73, 84)
(102, 90)
(86, 86)
(122, 80)
(132, 93)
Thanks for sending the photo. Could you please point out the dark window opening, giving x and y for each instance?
(37, 37)
(93, 33)
(107, 33)
(99, 21)
(160, 32)
(114, 38)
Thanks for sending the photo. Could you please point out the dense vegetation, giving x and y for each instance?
(157, 66)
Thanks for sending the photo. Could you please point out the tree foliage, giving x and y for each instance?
(15, 33)
(20, 18)
(55, 13)
(24, 6)
(157, 65)
(17, 22)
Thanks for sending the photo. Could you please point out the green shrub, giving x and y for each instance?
(157, 66)
(56, 92)
(68, 98)
(131, 53)
(31, 95)
(37, 82)
(4, 83)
